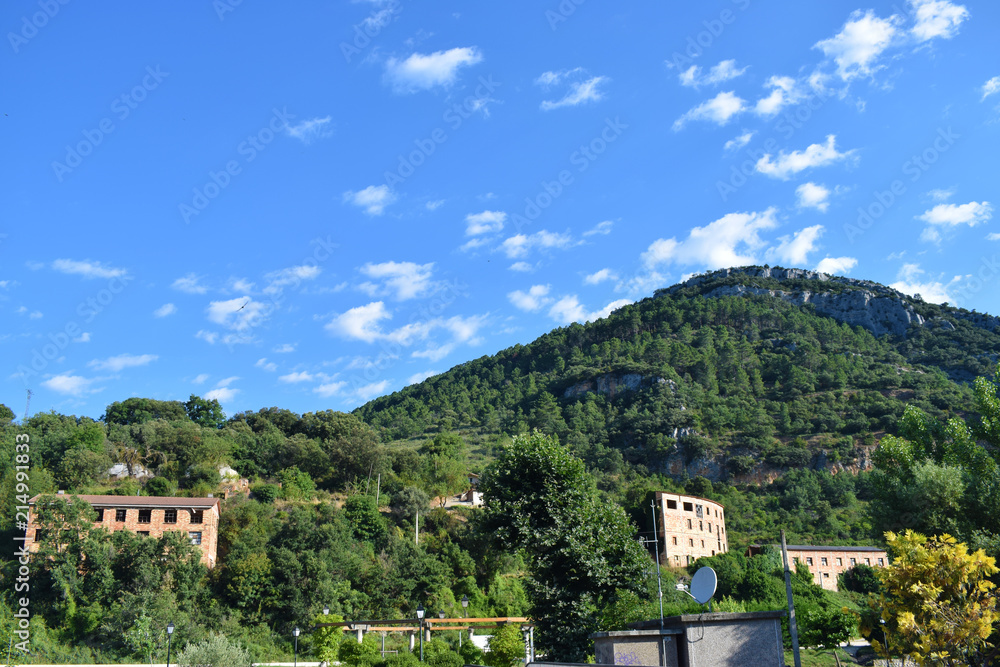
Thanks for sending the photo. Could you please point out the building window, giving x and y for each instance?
(854, 561)
(100, 515)
(699, 511)
(169, 516)
(143, 532)
(675, 540)
(868, 561)
(826, 575)
(196, 516)
(703, 544)
(671, 504)
(688, 507)
(710, 526)
(691, 542)
(713, 552)
(840, 561)
(677, 559)
(145, 516)
(881, 562)
(823, 561)
(701, 525)
(689, 524)
(689, 560)
(809, 561)
(195, 538)
(39, 534)
(120, 515)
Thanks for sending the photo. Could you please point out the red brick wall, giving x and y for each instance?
(694, 536)
(209, 527)
(825, 573)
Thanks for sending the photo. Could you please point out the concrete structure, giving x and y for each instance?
(826, 563)
(689, 528)
(696, 640)
(197, 518)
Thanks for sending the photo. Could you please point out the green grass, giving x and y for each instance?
(816, 658)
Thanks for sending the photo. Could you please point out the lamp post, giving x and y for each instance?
(295, 633)
(170, 631)
(885, 641)
(465, 614)
(420, 619)
(326, 610)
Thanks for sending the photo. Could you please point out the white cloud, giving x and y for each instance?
(602, 228)
(222, 394)
(993, 237)
(284, 348)
(225, 382)
(417, 378)
(719, 110)
(268, 366)
(952, 215)
(911, 280)
(486, 222)
(795, 249)
(164, 310)
(35, 315)
(301, 376)
(599, 277)
(309, 130)
(857, 47)
(434, 205)
(361, 323)
(936, 18)
(82, 338)
(836, 265)
(533, 300)
(732, 240)
(87, 269)
(473, 243)
(122, 361)
(521, 267)
(423, 72)
(941, 194)
(200, 378)
(240, 313)
(241, 285)
(739, 142)
(789, 164)
(292, 276)
(569, 309)
(208, 336)
(520, 245)
(991, 87)
(724, 71)
(73, 385)
(581, 87)
(189, 284)
(329, 389)
(372, 199)
(369, 391)
(814, 196)
(402, 280)
(784, 91)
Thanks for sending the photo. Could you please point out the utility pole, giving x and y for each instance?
(793, 627)
(656, 545)
(416, 527)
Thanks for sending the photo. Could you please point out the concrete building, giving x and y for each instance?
(198, 518)
(689, 528)
(826, 563)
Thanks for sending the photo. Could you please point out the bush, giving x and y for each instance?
(402, 659)
(265, 493)
(439, 654)
(506, 647)
(365, 654)
(216, 651)
(158, 486)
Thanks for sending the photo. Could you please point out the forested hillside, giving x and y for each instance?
(749, 387)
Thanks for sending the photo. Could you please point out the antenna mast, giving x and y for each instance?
(26, 404)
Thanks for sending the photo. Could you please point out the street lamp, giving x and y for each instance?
(295, 633)
(884, 639)
(465, 614)
(420, 618)
(170, 631)
(326, 610)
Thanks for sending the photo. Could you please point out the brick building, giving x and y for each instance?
(198, 518)
(689, 528)
(826, 563)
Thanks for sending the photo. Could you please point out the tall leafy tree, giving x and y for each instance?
(538, 497)
(205, 412)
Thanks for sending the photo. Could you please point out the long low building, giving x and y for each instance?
(826, 562)
(149, 515)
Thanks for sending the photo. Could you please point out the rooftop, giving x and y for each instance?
(139, 501)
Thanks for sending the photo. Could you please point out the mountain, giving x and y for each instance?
(738, 374)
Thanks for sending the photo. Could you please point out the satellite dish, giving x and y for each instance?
(703, 585)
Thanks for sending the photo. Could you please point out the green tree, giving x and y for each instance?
(205, 412)
(6, 415)
(506, 647)
(326, 640)
(937, 601)
(216, 651)
(141, 410)
(538, 497)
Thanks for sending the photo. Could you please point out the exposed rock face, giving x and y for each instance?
(610, 384)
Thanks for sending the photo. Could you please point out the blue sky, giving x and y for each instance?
(315, 204)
